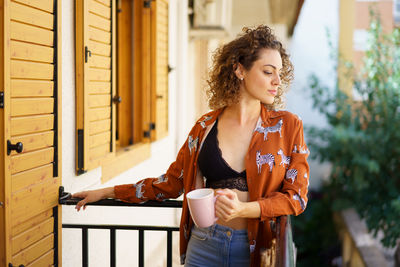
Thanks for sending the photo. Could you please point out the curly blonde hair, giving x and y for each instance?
(223, 84)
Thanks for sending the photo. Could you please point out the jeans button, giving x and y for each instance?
(229, 233)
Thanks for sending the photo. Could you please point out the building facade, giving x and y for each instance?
(96, 93)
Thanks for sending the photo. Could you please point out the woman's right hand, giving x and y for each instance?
(93, 196)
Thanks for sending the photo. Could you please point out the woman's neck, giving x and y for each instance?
(243, 112)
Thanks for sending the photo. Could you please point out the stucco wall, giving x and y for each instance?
(310, 54)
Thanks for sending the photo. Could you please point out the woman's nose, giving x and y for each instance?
(277, 80)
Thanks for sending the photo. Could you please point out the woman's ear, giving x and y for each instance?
(238, 68)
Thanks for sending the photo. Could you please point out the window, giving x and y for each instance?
(143, 107)
(122, 77)
(95, 82)
(396, 13)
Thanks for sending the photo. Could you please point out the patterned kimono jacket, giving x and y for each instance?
(276, 167)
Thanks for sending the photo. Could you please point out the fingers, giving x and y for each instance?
(81, 204)
(224, 203)
(227, 205)
(87, 197)
(227, 192)
(222, 214)
(225, 215)
(224, 208)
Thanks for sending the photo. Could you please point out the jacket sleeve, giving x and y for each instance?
(292, 198)
(168, 185)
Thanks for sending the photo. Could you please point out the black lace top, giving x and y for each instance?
(217, 171)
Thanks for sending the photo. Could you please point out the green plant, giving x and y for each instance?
(314, 231)
(362, 141)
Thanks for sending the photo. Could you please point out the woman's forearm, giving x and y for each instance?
(108, 192)
(250, 210)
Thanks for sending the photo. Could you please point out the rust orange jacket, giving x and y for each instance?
(276, 167)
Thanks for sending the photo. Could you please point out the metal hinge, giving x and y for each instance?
(152, 126)
(147, 3)
(1, 99)
(80, 152)
(88, 54)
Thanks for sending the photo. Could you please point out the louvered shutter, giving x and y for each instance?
(159, 63)
(95, 82)
(31, 116)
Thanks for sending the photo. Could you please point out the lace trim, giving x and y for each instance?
(238, 183)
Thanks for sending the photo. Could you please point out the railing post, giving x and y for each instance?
(169, 248)
(85, 254)
(112, 248)
(141, 248)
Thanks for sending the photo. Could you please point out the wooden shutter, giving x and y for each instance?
(31, 115)
(159, 69)
(95, 82)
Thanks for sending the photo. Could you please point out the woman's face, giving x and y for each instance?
(261, 82)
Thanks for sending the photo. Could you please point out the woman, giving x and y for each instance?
(252, 155)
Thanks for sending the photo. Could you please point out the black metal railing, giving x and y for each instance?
(285, 255)
(65, 199)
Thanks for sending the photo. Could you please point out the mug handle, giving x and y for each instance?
(216, 218)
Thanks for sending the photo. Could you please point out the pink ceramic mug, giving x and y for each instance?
(201, 205)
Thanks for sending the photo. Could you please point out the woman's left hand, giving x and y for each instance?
(227, 205)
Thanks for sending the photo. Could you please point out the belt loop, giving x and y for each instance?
(212, 229)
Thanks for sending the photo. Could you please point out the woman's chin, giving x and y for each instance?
(268, 100)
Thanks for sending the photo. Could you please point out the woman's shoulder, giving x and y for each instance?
(283, 119)
(204, 121)
(286, 116)
(292, 117)
(291, 120)
(208, 118)
(290, 123)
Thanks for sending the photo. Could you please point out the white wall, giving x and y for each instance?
(310, 54)
(186, 96)
(163, 153)
(248, 13)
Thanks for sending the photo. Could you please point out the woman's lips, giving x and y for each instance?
(272, 92)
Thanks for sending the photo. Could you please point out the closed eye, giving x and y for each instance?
(266, 72)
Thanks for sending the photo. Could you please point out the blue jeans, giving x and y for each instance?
(218, 246)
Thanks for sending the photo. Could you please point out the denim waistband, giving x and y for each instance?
(217, 229)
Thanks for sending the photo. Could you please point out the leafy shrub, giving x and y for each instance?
(362, 141)
(314, 232)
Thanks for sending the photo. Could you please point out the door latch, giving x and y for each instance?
(1, 99)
